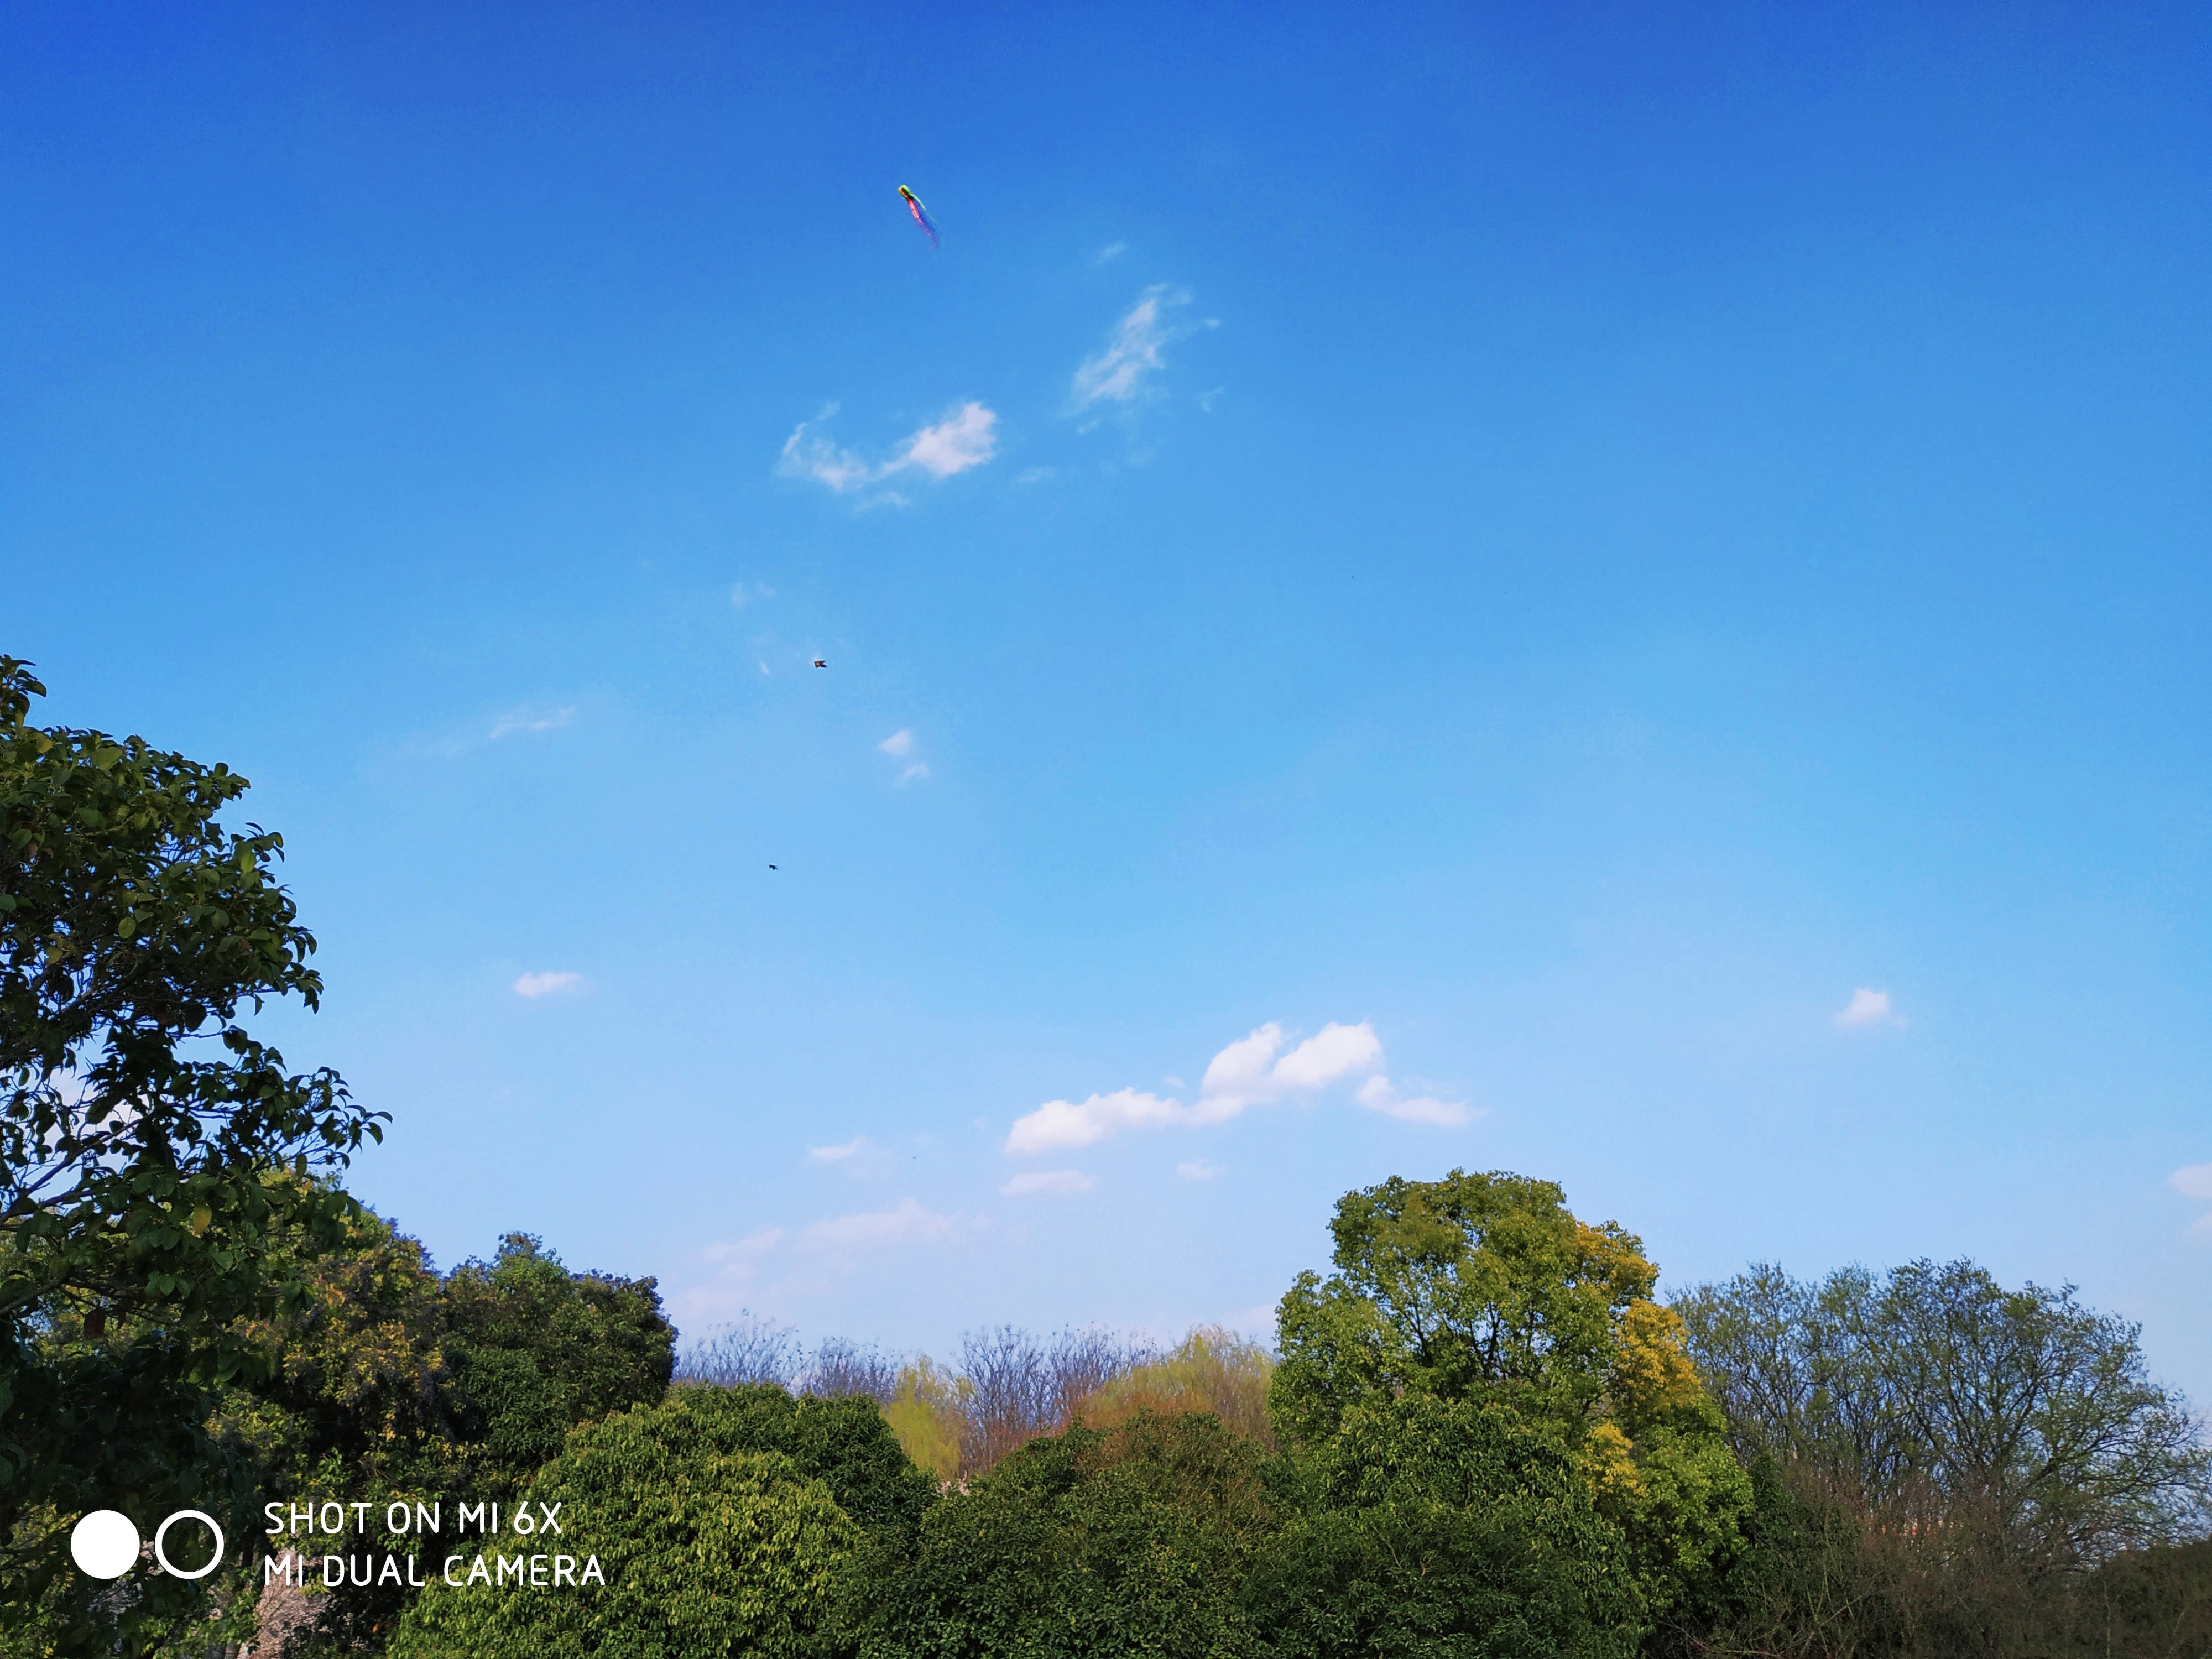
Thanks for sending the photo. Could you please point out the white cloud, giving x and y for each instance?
(1062, 1123)
(546, 985)
(857, 1146)
(1253, 1071)
(1117, 374)
(906, 1223)
(1867, 1008)
(527, 721)
(1379, 1094)
(963, 439)
(1048, 1180)
(2194, 1181)
(1110, 252)
(966, 437)
(1198, 1170)
(1249, 1073)
(919, 770)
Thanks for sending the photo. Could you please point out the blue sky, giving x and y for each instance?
(1618, 594)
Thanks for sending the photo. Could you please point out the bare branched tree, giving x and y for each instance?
(749, 1349)
(1019, 1388)
(1010, 1398)
(839, 1368)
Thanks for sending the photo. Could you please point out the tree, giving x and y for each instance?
(387, 1382)
(706, 1546)
(1211, 1370)
(1428, 1525)
(1933, 1395)
(843, 1442)
(535, 1349)
(1944, 1466)
(1486, 1288)
(140, 1123)
(1137, 1540)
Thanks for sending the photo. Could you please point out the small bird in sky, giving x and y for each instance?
(818, 663)
(771, 866)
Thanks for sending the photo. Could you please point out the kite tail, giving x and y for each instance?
(928, 225)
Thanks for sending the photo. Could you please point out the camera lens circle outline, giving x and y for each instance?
(206, 1520)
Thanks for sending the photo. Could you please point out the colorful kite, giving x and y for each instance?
(921, 215)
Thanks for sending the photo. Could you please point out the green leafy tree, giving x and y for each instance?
(1486, 1289)
(535, 1349)
(708, 1547)
(1933, 1390)
(1946, 1467)
(1137, 1540)
(1448, 1528)
(139, 1124)
(844, 1443)
(385, 1382)
(2151, 1603)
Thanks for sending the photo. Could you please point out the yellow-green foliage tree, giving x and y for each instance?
(1211, 1369)
(924, 1412)
(1486, 1288)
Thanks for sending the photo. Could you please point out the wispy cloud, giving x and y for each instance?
(1110, 252)
(1867, 1008)
(904, 1224)
(534, 986)
(966, 437)
(773, 1263)
(1198, 1170)
(1257, 1070)
(1118, 373)
(1048, 1180)
(899, 747)
(2193, 1181)
(857, 1146)
(758, 1242)
(1379, 1094)
(524, 720)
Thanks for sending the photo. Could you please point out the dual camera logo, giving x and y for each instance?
(105, 1544)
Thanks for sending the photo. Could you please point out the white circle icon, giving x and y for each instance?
(162, 1532)
(105, 1544)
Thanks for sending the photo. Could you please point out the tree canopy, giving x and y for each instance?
(708, 1546)
(1486, 1289)
(141, 1124)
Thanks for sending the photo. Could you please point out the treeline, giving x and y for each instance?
(1481, 1436)
(1008, 1388)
